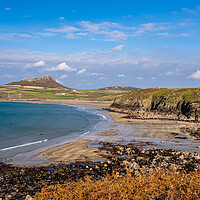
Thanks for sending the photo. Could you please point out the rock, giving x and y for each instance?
(156, 103)
(28, 197)
(24, 182)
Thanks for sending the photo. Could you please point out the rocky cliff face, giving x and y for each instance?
(177, 104)
(44, 81)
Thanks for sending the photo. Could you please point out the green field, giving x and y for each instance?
(17, 92)
(173, 96)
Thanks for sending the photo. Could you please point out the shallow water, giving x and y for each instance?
(60, 124)
(26, 126)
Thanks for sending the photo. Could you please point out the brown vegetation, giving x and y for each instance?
(161, 184)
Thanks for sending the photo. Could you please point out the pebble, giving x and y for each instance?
(24, 182)
(28, 197)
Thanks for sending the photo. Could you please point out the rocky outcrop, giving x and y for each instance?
(158, 104)
(16, 96)
(20, 182)
(44, 81)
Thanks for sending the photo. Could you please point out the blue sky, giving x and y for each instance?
(99, 43)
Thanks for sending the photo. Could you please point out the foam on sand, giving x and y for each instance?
(23, 145)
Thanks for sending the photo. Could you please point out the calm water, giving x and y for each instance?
(25, 125)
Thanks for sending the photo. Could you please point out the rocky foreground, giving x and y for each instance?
(18, 182)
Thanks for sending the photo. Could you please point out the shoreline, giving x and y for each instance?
(74, 142)
(159, 129)
(72, 152)
(95, 159)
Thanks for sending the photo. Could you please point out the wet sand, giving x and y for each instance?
(72, 152)
(109, 132)
(157, 128)
(78, 150)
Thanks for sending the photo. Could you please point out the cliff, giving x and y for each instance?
(160, 103)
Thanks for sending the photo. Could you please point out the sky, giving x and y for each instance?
(90, 44)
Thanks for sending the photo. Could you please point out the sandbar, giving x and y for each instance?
(72, 152)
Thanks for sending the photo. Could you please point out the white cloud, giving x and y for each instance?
(82, 71)
(61, 18)
(178, 71)
(153, 78)
(121, 75)
(62, 67)
(23, 35)
(104, 60)
(111, 31)
(166, 47)
(59, 81)
(81, 33)
(119, 47)
(173, 35)
(102, 78)
(169, 73)
(7, 8)
(71, 36)
(191, 11)
(184, 34)
(154, 27)
(93, 73)
(195, 75)
(46, 34)
(162, 34)
(63, 29)
(39, 64)
(64, 76)
(139, 78)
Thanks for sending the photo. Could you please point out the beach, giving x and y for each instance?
(166, 132)
(121, 148)
(159, 133)
(72, 152)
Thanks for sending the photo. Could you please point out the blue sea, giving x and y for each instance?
(28, 126)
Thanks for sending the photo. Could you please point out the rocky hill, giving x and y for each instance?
(44, 81)
(160, 103)
(124, 88)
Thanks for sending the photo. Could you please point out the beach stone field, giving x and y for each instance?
(25, 182)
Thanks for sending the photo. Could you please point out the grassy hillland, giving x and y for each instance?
(47, 88)
(162, 103)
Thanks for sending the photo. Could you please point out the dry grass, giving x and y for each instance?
(162, 184)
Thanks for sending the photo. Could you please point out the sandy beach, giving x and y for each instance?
(96, 104)
(158, 128)
(72, 152)
(78, 150)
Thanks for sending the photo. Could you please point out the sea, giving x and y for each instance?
(28, 127)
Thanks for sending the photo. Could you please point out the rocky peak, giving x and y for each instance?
(42, 78)
(43, 81)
